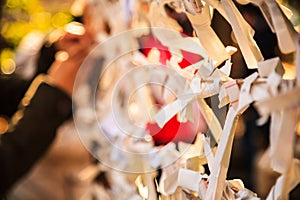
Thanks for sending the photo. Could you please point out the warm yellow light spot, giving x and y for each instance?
(14, 32)
(8, 66)
(289, 71)
(7, 63)
(25, 101)
(61, 56)
(133, 109)
(297, 28)
(41, 21)
(12, 3)
(230, 50)
(143, 190)
(298, 128)
(154, 55)
(60, 19)
(148, 138)
(75, 28)
(78, 7)
(55, 35)
(17, 117)
(7, 53)
(3, 125)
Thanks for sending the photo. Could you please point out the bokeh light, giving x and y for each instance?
(21, 17)
(60, 19)
(7, 63)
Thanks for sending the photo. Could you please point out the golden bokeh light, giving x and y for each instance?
(7, 63)
(60, 19)
(61, 56)
(3, 125)
(75, 28)
(8, 66)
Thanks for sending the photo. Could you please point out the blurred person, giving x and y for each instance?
(35, 57)
(85, 13)
(49, 106)
(58, 169)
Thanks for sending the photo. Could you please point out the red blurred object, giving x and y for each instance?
(173, 131)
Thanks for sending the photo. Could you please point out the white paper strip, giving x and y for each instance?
(280, 102)
(208, 152)
(221, 161)
(185, 178)
(263, 8)
(210, 119)
(284, 37)
(165, 114)
(233, 92)
(194, 7)
(216, 4)
(283, 123)
(243, 35)
(208, 38)
(191, 150)
(245, 98)
(286, 183)
(266, 67)
(201, 90)
(174, 41)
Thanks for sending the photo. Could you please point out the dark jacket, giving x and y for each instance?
(31, 137)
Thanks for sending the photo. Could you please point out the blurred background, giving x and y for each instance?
(29, 26)
(40, 17)
(21, 17)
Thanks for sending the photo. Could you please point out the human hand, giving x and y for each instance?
(73, 50)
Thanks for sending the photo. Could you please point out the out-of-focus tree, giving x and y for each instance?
(20, 17)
